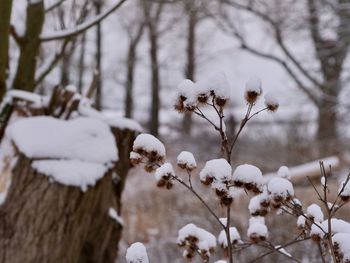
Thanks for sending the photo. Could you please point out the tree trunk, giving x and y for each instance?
(130, 81)
(81, 67)
(131, 63)
(5, 18)
(327, 128)
(191, 62)
(154, 120)
(42, 221)
(99, 94)
(65, 68)
(29, 47)
(47, 222)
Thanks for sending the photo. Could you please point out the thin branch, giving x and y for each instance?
(200, 199)
(53, 63)
(54, 6)
(274, 249)
(279, 38)
(82, 27)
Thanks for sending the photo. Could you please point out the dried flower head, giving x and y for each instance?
(271, 102)
(221, 101)
(196, 239)
(165, 176)
(249, 177)
(185, 160)
(253, 90)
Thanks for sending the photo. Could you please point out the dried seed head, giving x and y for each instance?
(271, 102)
(221, 102)
(345, 198)
(202, 98)
(135, 158)
(207, 180)
(179, 106)
(226, 200)
(251, 96)
(253, 90)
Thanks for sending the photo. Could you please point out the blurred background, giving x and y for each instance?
(137, 56)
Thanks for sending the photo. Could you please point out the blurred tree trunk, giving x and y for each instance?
(331, 54)
(65, 67)
(152, 17)
(191, 57)
(98, 56)
(327, 136)
(131, 63)
(81, 66)
(29, 47)
(155, 107)
(5, 18)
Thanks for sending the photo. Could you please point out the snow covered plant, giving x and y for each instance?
(268, 195)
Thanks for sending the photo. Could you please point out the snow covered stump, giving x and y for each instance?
(62, 180)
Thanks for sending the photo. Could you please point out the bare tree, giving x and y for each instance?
(323, 86)
(134, 28)
(33, 38)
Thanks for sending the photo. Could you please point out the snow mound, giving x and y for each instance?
(218, 169)
(149, 143)
(71, 172)
(136, 253)
(280, 188)
(315, 213)
(164, 171)
(342, 241)
(191, 231)
(75, 152)
(248, 175)
(253, 85)
(234, 237)
(186, 160)
(83, 139)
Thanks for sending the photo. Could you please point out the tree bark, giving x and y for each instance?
(5, 18)
(29, 47)
(42, 221)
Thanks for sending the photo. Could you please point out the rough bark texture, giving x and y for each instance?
(44, 221)
(48, 222)
(29, 47)
(5, 15)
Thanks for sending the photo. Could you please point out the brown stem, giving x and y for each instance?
(200, 199)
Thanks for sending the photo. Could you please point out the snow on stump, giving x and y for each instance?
(63, 168)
